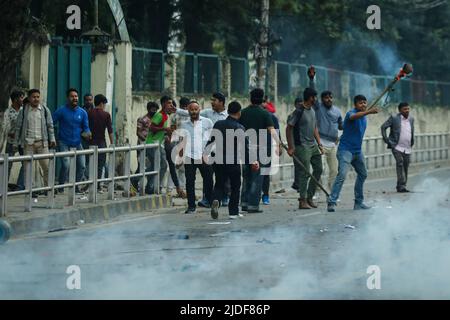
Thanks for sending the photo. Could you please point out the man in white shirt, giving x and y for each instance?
(196, 133)
(400, 140)
(216, 113)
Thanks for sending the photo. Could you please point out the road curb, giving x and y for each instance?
(71, 217)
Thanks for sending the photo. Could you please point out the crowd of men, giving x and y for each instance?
(232, 147)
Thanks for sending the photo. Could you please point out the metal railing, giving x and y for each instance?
(93, 153)
(428, 148)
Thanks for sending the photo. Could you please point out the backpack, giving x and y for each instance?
(297, 113)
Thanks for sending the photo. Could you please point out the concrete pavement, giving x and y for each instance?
(281, 253)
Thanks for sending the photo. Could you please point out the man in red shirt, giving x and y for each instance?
(99, 121)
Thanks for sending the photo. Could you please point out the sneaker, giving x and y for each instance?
(236, 216)
(215, 209)
(331, 207)
(190, 210)
(265, 200)
(360, 206)
(204, 203)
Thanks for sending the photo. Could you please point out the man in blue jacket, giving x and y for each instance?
(73, 123)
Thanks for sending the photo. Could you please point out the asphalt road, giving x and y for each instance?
(283, 253)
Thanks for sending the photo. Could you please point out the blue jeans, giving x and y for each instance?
(20, 179)
(81, 164)
(347, 159)
(251, 187)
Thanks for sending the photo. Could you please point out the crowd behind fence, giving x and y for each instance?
(113, 175)
(429, 148)
(199, 73)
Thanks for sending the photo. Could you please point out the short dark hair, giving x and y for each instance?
(308, 93)
(358, 98)
(298, 100)
(30, 92)
(71, 90)
(16, 94)
(257, 96)
(402, 104)
(152, 105)
(219, 96)
(164, 99)
(87, 95)
(184, 101)
(100, 99)
(326, 93)
(234, 107)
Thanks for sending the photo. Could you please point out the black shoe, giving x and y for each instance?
(404, 190)
(204, 204)
(254, 211)
(294, 186)
(190, 210)
(244, 209)
(34, 195)
(215, 209)
(361, 206)
(331, 207)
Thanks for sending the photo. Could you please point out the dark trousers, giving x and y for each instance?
(190, 168)
(266, 181)
(173, 172)
(232, 173)
(227, 185)
(402, 164)
(101, 161)
(251, 187)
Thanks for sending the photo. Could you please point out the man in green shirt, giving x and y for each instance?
(159, 131)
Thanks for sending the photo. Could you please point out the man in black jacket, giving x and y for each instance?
(400, 140)
(229, 154)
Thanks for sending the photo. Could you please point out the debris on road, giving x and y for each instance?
(227, 222)
(219, 234)
(324, 230)
(349, 226)
(389, 207)
(183, 236)
(61, 229)
(264, 240)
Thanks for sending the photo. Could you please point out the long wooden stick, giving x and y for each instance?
(304, 168)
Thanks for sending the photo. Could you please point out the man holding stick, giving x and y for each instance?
(350, 153)
(308, 148)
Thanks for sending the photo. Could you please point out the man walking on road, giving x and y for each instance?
(233, 151)
(350, 153)
(73, 123)
(307, 147)
(216, 113)
(256, 120)
(195, 134)
(401, 141)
